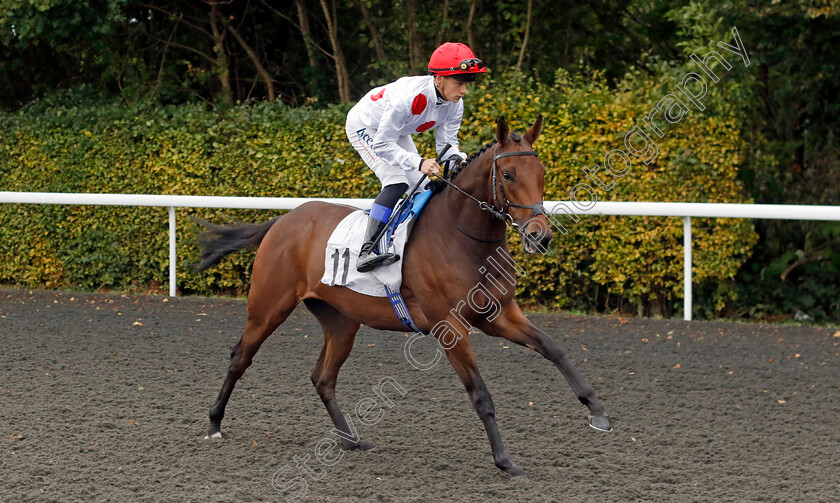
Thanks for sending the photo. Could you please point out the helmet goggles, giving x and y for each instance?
(468, 65)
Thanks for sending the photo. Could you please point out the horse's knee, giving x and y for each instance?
(559, 352)
(238, 363)
(547, 347)
(325, 387)
(484, 405)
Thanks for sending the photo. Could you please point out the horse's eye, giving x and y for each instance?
(507, 175)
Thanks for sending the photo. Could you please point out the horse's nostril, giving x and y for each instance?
(538, 240)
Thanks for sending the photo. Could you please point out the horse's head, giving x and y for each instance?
(517, 180)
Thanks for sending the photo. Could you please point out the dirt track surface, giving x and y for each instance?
(105, 398)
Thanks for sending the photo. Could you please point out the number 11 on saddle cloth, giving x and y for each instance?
(346, 240)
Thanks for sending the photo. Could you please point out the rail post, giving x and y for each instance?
(687, 268)
(172, 254)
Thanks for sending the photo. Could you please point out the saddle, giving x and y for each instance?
(346, 239)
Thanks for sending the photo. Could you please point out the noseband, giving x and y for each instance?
(500, 213)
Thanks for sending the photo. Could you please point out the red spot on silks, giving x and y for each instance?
(425, 126)
(419, 104)
(378, 95)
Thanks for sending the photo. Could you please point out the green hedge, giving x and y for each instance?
(75, 142)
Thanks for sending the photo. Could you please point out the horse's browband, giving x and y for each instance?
(519, 152)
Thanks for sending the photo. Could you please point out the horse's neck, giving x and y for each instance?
(464, 224)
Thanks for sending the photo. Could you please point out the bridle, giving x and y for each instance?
(500, 213)
(536, 208)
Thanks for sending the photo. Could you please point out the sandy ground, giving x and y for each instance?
(105, 398)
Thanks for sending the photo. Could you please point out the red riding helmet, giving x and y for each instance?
(453, 59)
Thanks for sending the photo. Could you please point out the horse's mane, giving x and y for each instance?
(437, 186)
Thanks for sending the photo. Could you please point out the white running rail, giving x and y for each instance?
(684, 210)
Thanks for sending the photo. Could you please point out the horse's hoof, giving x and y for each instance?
(600, 423)
(517, 473)
(512, 469)
(213, 433)
(359, 446)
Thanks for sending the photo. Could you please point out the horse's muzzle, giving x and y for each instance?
(536, 235)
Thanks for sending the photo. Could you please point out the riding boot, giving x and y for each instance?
(368, 258)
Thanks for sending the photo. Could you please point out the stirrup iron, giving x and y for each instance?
(368, 260)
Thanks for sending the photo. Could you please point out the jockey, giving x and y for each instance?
(381, 124)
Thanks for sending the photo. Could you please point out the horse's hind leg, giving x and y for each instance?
(262, 321)
(515, 327)
(339, 334)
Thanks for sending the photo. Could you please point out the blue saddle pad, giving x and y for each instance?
(418, 202)
(407, 210)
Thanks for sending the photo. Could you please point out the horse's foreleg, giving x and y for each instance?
(339, 334)
(515, 327)
(463, 361)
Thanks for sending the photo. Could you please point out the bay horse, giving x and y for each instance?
(465, 223)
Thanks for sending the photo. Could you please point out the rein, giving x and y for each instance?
(499, 214)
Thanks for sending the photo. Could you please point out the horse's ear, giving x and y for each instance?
(502, 130)
(534, 133)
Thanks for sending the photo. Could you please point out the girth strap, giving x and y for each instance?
(401, 309)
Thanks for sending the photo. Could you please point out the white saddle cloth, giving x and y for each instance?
(343, 252)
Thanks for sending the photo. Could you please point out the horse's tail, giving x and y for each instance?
(219, 241)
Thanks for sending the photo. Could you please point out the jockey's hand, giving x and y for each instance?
(430, 167)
